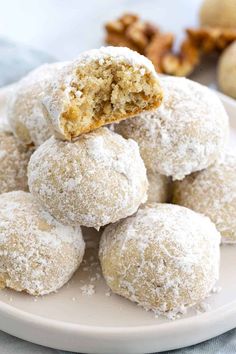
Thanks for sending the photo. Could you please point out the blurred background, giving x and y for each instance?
(65, 28)
(189, 37)
(34, 32)
(192, 38)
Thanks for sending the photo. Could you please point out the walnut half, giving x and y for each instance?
(130, 31)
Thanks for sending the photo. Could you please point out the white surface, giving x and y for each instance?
(72, 320)
(65, 28)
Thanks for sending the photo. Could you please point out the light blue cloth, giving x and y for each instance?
(224, 344)
(17, 60)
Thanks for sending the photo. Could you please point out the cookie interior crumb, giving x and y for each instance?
(102, 94)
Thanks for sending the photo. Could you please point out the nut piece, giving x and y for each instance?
(158, 48)
(131, 32)
(145, 38)
(210, 39)
(184, 63)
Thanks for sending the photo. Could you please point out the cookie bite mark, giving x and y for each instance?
(100, 87)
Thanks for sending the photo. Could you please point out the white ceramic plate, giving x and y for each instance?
(74, 320)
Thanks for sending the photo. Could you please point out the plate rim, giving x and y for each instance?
(52, 323)
(108, 340)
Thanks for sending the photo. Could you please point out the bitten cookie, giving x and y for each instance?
(212, 192)
(165, 258)
(38, 255)
(96, 180)
(101, 86)
(187, 133)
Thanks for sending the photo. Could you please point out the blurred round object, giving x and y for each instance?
(165, 258)
(227, 70)
(98, 179)
(218, 13)
(25, 111)
(187, 133)
(212, 192)
(14, 158)
(159, 188)
(38, 254)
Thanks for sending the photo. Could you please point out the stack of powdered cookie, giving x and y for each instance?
(163, 256)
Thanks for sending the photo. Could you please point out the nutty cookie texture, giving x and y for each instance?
(99, 87)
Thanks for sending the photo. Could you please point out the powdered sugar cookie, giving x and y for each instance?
(38, 254)
(14, 158)
(165, 258)
(212, 192)
(5, 93)
(101, 86)
(226, 70)
(98, 179)
(187, 133)
(25, 111)
(218, 13)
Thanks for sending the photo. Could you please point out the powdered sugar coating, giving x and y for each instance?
(212, 192)
(119, 54)
(25, 111)
(38, 254)
(165, 258)
(96, 180)
(187, 133)
(5, 93)
(14, 158)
